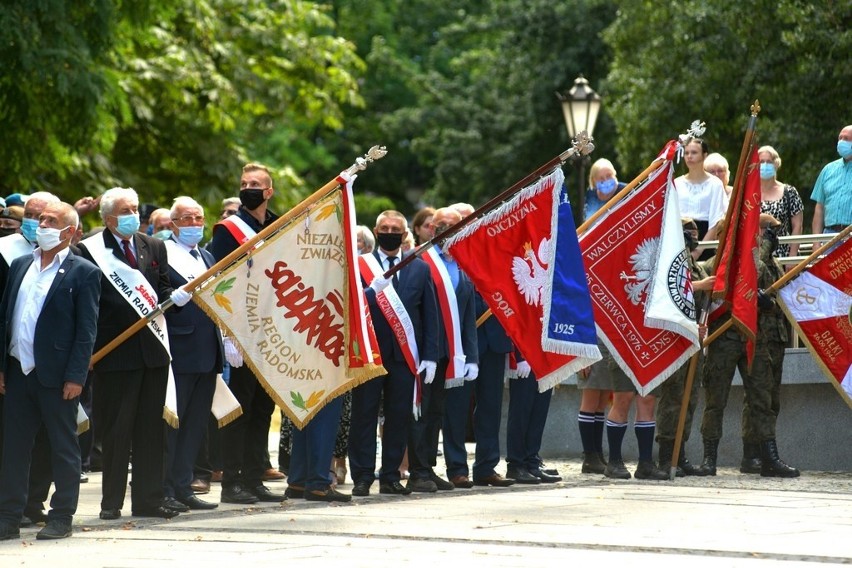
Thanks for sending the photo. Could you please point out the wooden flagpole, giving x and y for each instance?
(373, 154)
(736, 199)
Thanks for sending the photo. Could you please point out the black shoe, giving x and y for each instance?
(647, 470)
(25, 522)
(421, 485)
(54, 530)
(83, 477)
(35, 515)
(592, 463)
(615, 470)
(264, 494)
(392, 488)
(544, 476)
(440, 483)
(293, 492)
(236, 494)
(175, 505)
(329, 495)
(8, 532)
(161, 512)
(194, 502)
(548, 470)
(110, 514)
(521, 475)
(361, 489)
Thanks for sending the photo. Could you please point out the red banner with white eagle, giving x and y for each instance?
(818, 304)
(639, 281)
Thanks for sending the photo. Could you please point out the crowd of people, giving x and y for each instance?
(67, 295)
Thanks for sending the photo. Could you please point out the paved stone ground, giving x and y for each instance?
(729, 520)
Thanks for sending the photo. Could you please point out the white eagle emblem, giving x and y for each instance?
(530, 271)
(642, 262)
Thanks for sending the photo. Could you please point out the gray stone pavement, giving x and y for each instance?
(729, 520)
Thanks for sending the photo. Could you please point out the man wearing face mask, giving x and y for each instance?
(833, 189)
(197, 355)
(48, 321)
(130, 381)
(245, 440)
(405, 302)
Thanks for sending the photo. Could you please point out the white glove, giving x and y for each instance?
(378, 284)
(523, 369)
(429, 367)
(232, 354)
(181, 297)
(471, 371)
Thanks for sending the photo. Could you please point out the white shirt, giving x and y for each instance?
(383, 258)
(702, 201)
(31, 296)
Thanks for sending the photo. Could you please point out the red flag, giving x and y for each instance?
(819, 305)
(625, 262)
(736, 271)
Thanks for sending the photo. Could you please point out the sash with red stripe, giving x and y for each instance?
(450, 313)
(394, 311)
(238, 228)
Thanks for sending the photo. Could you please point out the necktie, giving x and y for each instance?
(131, 259)
(194, 254)
(394, 278)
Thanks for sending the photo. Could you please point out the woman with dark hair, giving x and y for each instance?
(700, 195)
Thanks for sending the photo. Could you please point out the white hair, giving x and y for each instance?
(45, 196)
(114, 194)
(184, 201)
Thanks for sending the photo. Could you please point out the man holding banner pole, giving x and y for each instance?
(245, 440)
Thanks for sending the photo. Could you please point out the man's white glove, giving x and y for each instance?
(471, 371)
(181, 297)
(232, 354)
(429, 367)
(523, 369)
(378, 284)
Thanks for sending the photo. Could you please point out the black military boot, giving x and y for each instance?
(708, 467)
(751, 458)
(592, 463)
(665, 457)
(647, 470)
(771, 465)
(684, 465)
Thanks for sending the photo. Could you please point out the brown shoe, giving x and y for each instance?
(216, 476)
(496, 480)
(200, 486)
(462, 482)
(273, 474)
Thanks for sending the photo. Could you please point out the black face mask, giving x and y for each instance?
(389, 241)
(6, 231)
(252, 198)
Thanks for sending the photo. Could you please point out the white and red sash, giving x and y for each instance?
(225, 407)
(394, 311)
(14, 245)
(132, 285)
(238, 228)
(450, 312)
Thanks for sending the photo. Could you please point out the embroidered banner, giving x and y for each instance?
(818, 304)
(635, 281)
(507, 254)
(295, 307)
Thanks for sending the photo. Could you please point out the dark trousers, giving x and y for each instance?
(525, 424)
(454, 425)
(28, 406)
(313, 447)
(395, 392)
(423, 433)
(488, 413)
(210, 452)
(128, 408)
(245, 440)
(194, 400)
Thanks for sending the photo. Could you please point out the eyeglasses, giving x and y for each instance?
(229, 212)
(190, 219)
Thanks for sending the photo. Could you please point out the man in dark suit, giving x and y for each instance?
(197, 355)
(440, 407)
(395, 390)
(48, 321)
(130, 381)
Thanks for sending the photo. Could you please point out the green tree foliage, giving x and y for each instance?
(678, 61)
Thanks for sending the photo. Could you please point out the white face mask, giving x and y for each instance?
(48, 238)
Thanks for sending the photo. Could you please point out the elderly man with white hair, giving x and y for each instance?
(130, 381)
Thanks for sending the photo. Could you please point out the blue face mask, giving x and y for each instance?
(127, 224)
(767, 170)
(844, 148)
(163, 235)
(606, 186)
(29, 228)
(190, 236)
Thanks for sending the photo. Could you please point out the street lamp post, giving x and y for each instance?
(580, 107)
